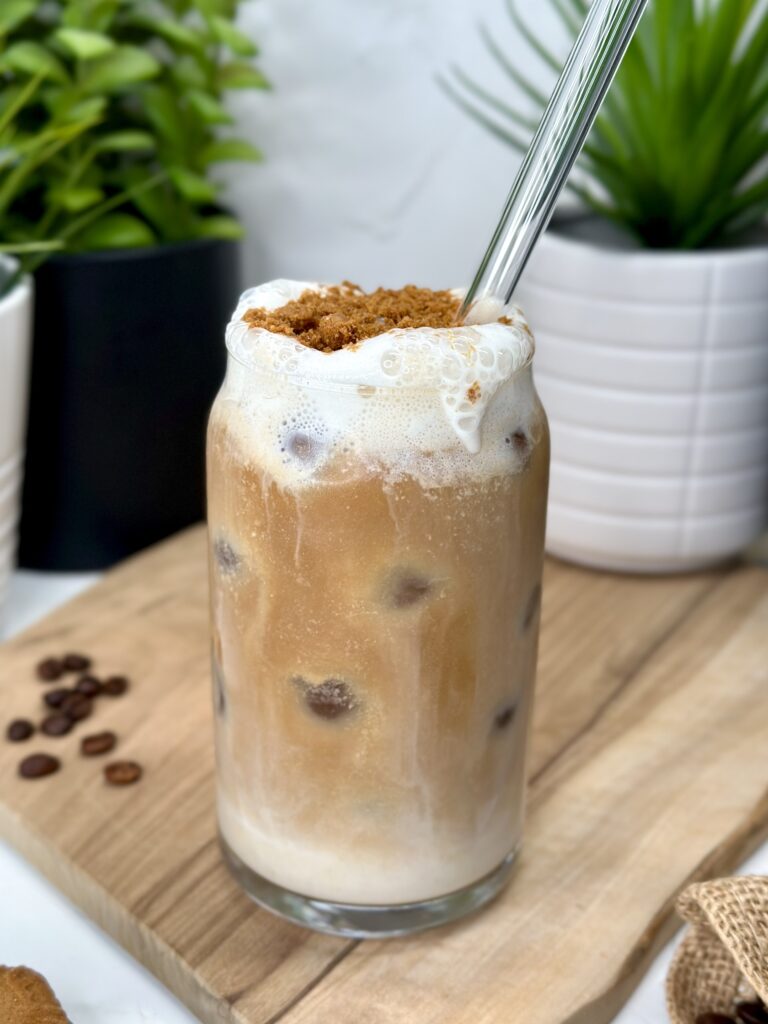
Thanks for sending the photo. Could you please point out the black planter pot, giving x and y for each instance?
(128, 355)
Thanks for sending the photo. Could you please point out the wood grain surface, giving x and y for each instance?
(646, 773)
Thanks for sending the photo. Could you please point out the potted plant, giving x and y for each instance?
(650, 306)
(111, 121)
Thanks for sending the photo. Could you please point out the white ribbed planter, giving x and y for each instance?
(653, 369)
(15, 341)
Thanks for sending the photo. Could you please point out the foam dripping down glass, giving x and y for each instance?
(376, 519)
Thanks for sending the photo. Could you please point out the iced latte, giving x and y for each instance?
(377, 484)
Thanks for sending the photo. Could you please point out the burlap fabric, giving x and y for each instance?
(724, 955)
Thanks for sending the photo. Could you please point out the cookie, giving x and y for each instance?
(27, 998)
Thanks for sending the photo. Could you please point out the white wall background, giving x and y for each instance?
(371, 172)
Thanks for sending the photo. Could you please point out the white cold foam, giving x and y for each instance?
(404, 399)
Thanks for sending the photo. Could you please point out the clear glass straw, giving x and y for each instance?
(570, 114)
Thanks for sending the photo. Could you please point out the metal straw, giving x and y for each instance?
(570, 114)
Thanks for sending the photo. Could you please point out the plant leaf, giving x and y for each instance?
(193, 187)
(93, 15)
(33, 59)
(13, 12)
(238, 42)
(208, 108)
(222, 150)
(503, 134)
(532, 39)
(220, 226)
(162, 111)
(530, 124)
(510, 70)
(239, 75)
(174, 32)
(115, 231)
(126, 141)
(188, 72)
(74, 199)
(15, 99)
(84, 44)
(90, 109)
(124, 66)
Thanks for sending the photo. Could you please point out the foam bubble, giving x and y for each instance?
(432, 402)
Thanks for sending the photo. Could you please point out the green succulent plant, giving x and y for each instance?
(111, 121)
(679, 153)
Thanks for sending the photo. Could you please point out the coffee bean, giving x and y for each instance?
(504, 717)
(226, 557)
(55, 698)
(302, 447)
(56, 725)
(519, 441)
(714, 1018)
(752, 1013)
(122, 773)
(89, 686)
(76, 662)
(19, 729)
(532, 607)
(410, 591)
(77, 706)
(406, 588)
(50, 669)
(114, 686)
(37, 765)
(97, 743)
(329, 699)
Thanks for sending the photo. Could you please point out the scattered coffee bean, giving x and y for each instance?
(532, 607)
(752, 1013)
(55, 698)
(77, 706)
(97, 743)
(76, 662)
(50, 669)
(56, 725)
(122, 773)
(714, 1018)
(114, 686)
(19, 729)
(329, 699)
(504, 717)
(89, 686)
(302, 446)
(37, 765)
(227, 558)
(408, 588)
(520, 442)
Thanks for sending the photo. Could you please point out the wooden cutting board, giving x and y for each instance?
(648, 771)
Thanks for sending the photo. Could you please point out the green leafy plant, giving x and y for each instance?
(678, 155)
(110, 122)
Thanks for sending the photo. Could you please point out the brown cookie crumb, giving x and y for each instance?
(343, 315)
(27, 998)
(473, 392)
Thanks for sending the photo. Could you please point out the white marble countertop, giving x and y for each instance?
(96, 981)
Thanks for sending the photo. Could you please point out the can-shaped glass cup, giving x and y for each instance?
(376, 519)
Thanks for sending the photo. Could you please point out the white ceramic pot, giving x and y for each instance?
(653, 369)
(15, 343)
